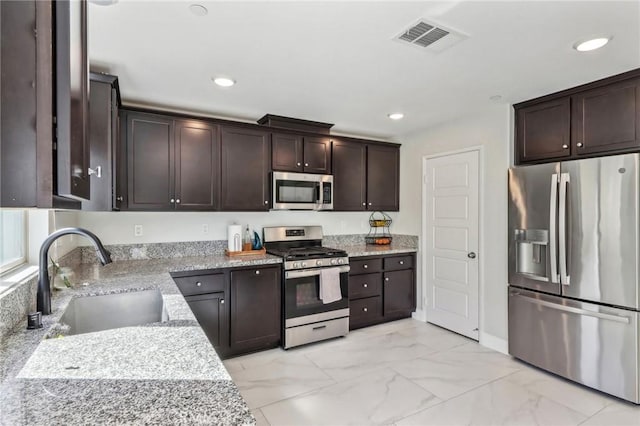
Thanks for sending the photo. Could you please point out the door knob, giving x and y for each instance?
(471, 255)
(97, 171)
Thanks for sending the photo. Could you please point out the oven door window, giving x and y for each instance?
(296, 192)
(302, 296)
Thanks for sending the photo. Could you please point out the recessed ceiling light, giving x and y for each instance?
(224, 81)
(198, 9)
(395, 115)
(593, 44)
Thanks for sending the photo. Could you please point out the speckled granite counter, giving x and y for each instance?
(154, 374)
(361, 250)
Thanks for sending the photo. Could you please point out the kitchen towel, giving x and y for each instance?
(234, 238)
(330, 285)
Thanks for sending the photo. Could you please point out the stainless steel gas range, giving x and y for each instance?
(315, 284)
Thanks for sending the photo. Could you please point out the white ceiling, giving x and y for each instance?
(336, 62)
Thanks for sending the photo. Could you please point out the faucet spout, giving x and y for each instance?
(44, 285)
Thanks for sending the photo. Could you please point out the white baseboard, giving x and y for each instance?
(492, 342)
(420, 315)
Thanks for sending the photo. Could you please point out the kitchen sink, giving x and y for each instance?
(97, 313)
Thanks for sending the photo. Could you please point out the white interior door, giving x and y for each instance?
(451, 242)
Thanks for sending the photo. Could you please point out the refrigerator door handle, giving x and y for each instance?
(571, 309)
(562, 228)
(553, 213)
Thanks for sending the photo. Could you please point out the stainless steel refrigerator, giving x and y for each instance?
(574, 298)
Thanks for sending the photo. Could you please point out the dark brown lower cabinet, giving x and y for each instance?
(255, 309)
(237, 308)
(381, 289)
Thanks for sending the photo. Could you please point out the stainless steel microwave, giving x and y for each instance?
(302, 191)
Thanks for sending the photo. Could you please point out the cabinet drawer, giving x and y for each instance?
(365, 311)
(365, 285)
(201, 284)
(365, 265)
(398, 262)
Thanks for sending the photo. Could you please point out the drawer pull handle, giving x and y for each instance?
(222, 301)
(198, 284)
(402, 262)
(386, 279)
(257, 272)
(365, 266)
(365, 309)
(319, 327)
(365, 285)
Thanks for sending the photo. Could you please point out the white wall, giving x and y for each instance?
(118, 227)
(490, 128)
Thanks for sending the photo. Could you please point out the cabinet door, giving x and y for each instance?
(349, 176)
(210, 311)
(399, 293)
(255, 308)
(542, 131)
(150, 161)
(245, 169)
(606, 119)
(317, 155)
(286, 152)
(197, 152)
(101, 142)
(383, 178)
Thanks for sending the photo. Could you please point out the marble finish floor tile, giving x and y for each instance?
(580, 398)
(453, 372)
(278, 379)
(362, 356)
(618, 413)
(261, 420)
(435, 337)
(377, 398)
(498, 403)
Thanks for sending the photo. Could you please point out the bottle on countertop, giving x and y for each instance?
(246, 242)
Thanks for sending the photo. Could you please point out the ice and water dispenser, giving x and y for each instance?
(532, 246)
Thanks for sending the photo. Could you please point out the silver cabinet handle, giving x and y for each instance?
(172, 201)
(386, 279)
(257, 272)
(558, 307)
(222, 301)
(365, 266)
(365, 309)
(365, 285)
(97, 171)
(298, 164)
(471, 255)
(178, 201)
(579, 144)
(401, 262)
(562, 228)
(553, 209)
(369, 203)
(198, 284)
(364, 204)
(565, 146)
(266, 201)
(306, 164)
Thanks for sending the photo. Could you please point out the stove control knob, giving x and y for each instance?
(319, 263)
(296, 265)
(334, 262)
(303, 264)
(340, 261)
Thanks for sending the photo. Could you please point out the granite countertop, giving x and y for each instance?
(144, 374)
(361, 250)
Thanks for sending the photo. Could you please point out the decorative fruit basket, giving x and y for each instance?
(379, 234)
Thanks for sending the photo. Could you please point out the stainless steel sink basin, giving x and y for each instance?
(97, 313)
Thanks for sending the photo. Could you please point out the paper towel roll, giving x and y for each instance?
(234, 238)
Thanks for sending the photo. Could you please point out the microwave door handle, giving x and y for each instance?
(319, 196)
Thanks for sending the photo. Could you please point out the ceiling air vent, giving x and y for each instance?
(430, 36)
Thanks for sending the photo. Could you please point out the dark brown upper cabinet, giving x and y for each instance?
(366, 176)
(104, 142)
(606, 119)
(197, 153)
(294, 153)
(595, 119)
(172, 164)
(349, 176)
(245, 169)
(150, 162)
(543, 131)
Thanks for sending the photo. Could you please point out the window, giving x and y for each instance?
(13, 239)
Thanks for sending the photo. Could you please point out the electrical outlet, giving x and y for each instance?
(137, 230)
(205, 228)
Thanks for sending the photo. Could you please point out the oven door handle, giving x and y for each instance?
(313, 272)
